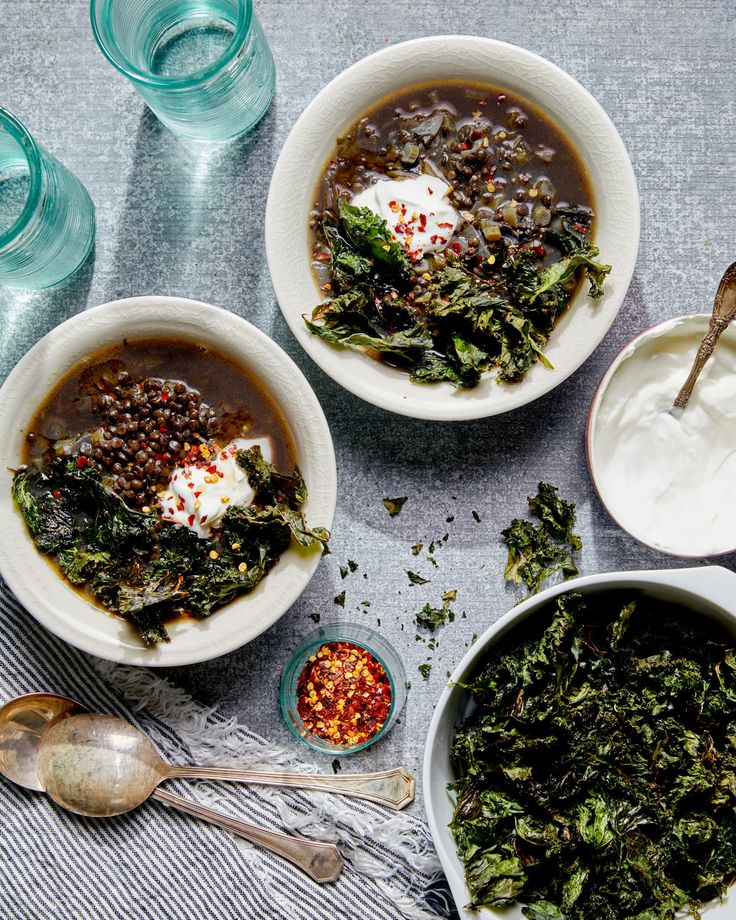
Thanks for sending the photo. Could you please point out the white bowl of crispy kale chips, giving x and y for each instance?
(163, 339)
(699, 603)
(511, 80)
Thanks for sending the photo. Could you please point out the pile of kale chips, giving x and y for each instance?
(451, 325)
(597, 778)
(148, 570)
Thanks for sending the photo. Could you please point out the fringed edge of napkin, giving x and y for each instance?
(210, 737)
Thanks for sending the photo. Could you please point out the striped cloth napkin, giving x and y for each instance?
(156, 863)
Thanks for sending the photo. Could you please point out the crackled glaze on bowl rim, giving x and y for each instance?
(359, 88)
(708, 591)
(32, 578)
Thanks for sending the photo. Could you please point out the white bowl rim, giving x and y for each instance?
(297, 568)
(383, 386)
(713, 584)
(657, 329)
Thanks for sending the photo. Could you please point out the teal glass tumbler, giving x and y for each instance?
(47, 219)
(203, 66)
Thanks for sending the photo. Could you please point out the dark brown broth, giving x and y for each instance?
(567, 171)
(224, 386)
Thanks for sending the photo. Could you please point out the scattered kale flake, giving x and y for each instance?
(536, 552)
(349, 567)
(336, 765)
(394, 505)
(433, 617)
(417, 579)
(417, 548)
(425, 669)
(340, 599)
(315, 616)
(596, 775)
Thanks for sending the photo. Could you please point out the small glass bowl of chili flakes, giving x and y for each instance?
(343, 689)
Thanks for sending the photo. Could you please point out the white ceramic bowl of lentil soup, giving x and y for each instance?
(516, 176)
(168, 481)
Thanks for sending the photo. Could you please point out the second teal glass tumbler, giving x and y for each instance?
(47, 219)
(203, 66)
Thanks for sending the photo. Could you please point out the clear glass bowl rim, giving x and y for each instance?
(98, 10)
(18, 131)
(357, 634)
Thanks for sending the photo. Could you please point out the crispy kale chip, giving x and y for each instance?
(596, 776)
(370, 235)
(149, 571)
(536, 552)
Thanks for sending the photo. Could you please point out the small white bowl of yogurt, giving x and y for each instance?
(668, 477)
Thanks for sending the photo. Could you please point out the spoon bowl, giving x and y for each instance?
(22, 722)
(98, 765)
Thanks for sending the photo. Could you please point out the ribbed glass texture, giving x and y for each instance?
(203, 66)
(47, 219)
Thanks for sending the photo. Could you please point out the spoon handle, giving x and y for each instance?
(322, 861)
(724, 310)
(392, 788)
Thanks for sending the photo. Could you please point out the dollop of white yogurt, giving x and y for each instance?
(669, 478)
(199, 494)
(417, 211)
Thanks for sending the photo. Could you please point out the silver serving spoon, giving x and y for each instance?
(724, 310)
(25, 720)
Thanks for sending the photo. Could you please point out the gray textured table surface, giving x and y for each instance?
(175, 220)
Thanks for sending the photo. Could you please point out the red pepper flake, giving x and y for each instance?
(483, 101)
(501, 98)
(343, 694)
(165, 395)
(56, 493)
(190, 520)
(323, 257)
(579, 227)
(82, 462)
(456, 247)
(540, 251)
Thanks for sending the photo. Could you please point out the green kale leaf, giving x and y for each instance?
(536, 552)
(370, 234)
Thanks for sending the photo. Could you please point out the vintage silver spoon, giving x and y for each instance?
(25, 720)
(724, 310)
(127, 768)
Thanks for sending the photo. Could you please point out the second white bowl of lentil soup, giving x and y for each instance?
(168, 481)
(452, 227)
